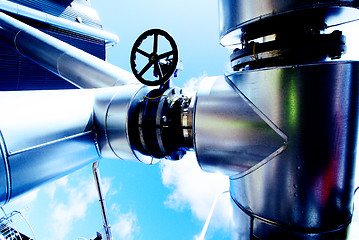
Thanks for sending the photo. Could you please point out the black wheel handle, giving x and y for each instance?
(162, 73)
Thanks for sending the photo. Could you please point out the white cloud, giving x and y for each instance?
(192, 84)
(125, 226)
(197, 190)
(106, 188)
(68, 201)
(78, 199)
(50, 189)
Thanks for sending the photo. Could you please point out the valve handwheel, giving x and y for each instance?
(163, 63)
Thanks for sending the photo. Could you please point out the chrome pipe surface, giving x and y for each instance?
(307, 190)
(113, 110)
(230, 136)
(236, 15)
(74, 65)
(11, 7)
(44, 135)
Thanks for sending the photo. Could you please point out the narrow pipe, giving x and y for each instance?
(72, 64)
(205, 227)
(96, 174)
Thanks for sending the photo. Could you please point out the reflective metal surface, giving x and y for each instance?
(47, 134)
(187, 120)
(44, 135)
(113, 111)
(58, 114)
(76, 66)
(231, 136)
(24, 11)
(236, 14)
(161, 126)
(306, 191)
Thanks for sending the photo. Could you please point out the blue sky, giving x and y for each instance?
(193, 25)
(169, 200)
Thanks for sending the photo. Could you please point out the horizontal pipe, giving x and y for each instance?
(45, 135)
(72, 64)
(243, 141)
(109, 38)
(114, 112)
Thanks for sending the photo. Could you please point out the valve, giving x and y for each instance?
(154, 50)
(161, 126)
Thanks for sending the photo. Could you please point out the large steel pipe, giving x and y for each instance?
(288, 138)
(290, 70)
(306, 192)
(237, 17)
(43, 135)
(74, 65)
(48, 134)
(21, 10)
(231, 136)
(114, 111)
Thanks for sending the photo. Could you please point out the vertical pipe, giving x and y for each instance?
(205, 227)
(96, 174)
